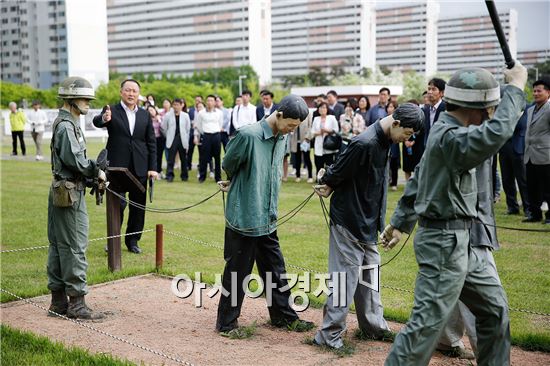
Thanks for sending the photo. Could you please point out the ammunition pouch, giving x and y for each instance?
(65, 192)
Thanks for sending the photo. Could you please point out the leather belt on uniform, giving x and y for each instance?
(453, 224)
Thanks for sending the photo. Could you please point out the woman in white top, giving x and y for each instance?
(323, 125)
(37, 119)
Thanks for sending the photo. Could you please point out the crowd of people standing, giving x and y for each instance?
(207, 126)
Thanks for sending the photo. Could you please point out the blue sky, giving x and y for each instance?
(533, 17)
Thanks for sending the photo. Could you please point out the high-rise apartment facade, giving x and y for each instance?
(471, 41)
(321, 33)
(532, 57)
(43, 42)
(406, 37)
(182, 37)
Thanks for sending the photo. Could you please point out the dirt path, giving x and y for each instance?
(147, 313)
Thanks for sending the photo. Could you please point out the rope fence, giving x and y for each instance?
(102, 332)
(89, 241)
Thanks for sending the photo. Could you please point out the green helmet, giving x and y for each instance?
(472, 87)
(76, 87)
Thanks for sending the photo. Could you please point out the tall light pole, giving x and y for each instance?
(241, 77)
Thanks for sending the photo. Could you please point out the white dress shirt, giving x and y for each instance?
(267, 111)
(244, 115)
(208, 122)
(131, 114)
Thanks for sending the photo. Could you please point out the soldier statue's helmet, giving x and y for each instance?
(76, 87)
(472, 87)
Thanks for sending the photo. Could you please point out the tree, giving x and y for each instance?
(414, 85)
(317, 76)
(338, 70)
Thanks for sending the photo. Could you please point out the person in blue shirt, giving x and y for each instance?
(379, 111)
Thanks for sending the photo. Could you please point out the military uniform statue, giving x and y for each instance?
(443, 198)
(67, 214)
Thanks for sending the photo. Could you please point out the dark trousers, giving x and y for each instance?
(161, 144)
(307, 162)
(14, 136)
(513, 170)
(323, 161)
(225, 139)
(395, 164)
(136, 216)
(538, 188)
(240, 252)
(190, 149)
(210, 149)
(177, 148)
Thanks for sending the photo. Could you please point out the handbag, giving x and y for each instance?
(305, 146)
(332, 142)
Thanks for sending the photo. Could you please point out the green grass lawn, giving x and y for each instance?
(522, 261)
(24, 348)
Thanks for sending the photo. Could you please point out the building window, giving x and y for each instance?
(14, 42)
(5, 21)
(14, 31)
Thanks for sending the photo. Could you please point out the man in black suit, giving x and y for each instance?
(131, 145)
(267, 106)
(432, 110)
(436, 90)
(334, 106)
(512, 168)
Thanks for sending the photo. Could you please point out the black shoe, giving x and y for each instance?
(532, 219)
(512, 212)
(184, 179)
(547, 221)
(170, 179)
(134, 249)
(201, 181)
